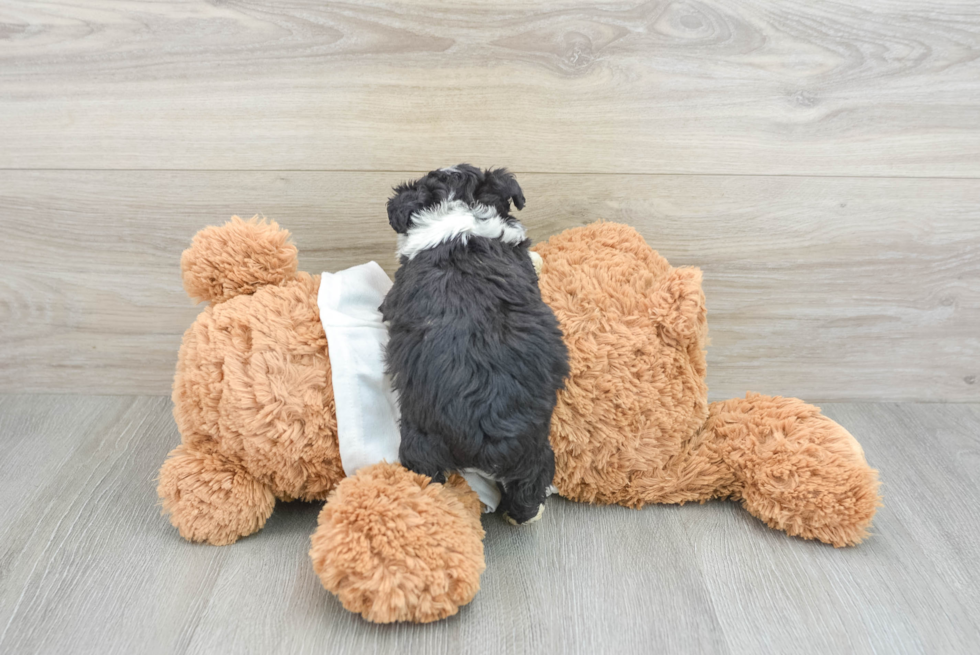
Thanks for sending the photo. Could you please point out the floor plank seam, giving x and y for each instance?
(368, 171)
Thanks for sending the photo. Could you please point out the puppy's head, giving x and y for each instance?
(495, 188)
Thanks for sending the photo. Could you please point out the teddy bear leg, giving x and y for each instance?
(210, 498)
(796, 469)
(394, 546)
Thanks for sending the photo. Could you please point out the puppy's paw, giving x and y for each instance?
(537, 517)
(534, 518)
(537, 261)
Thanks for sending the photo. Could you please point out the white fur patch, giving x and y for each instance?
(529, 521)
(537, 261)
(456, 220)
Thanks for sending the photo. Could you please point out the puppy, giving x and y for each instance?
(475, 355)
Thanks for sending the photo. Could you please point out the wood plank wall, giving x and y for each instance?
(820, 162)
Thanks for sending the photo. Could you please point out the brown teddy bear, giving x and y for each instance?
(254, 404)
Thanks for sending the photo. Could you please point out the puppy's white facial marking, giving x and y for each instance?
(456, 220)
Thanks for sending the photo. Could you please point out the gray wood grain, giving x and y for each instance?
(911, 588)
(88, 565)
(823, 288)
(876, 87)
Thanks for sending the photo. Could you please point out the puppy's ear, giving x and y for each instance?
(408, 199)
(498, 189)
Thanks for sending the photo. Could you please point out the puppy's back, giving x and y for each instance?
(473, 349)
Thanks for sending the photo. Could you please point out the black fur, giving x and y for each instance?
(494, 188)
(475, 354)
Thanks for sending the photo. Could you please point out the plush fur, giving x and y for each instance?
(237, 259)
(252, 393)
(393, 569)
(475, 355)
(254, 405)
(633, 425)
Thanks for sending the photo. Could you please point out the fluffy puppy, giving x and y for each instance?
(475, 355)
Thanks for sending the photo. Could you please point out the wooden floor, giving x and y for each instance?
(87, 564)
(818, 160)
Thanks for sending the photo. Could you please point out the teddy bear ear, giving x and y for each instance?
(236, 259)
(498, 189)
(680, 306)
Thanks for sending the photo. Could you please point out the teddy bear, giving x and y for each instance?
(254, 405)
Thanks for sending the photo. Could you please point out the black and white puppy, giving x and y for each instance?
(475, 355)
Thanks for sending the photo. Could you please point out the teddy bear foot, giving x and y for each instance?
(394, 546)
(210, 498)
(796, 469)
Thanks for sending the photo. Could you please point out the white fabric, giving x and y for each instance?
(367, 411)
(367, 406)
